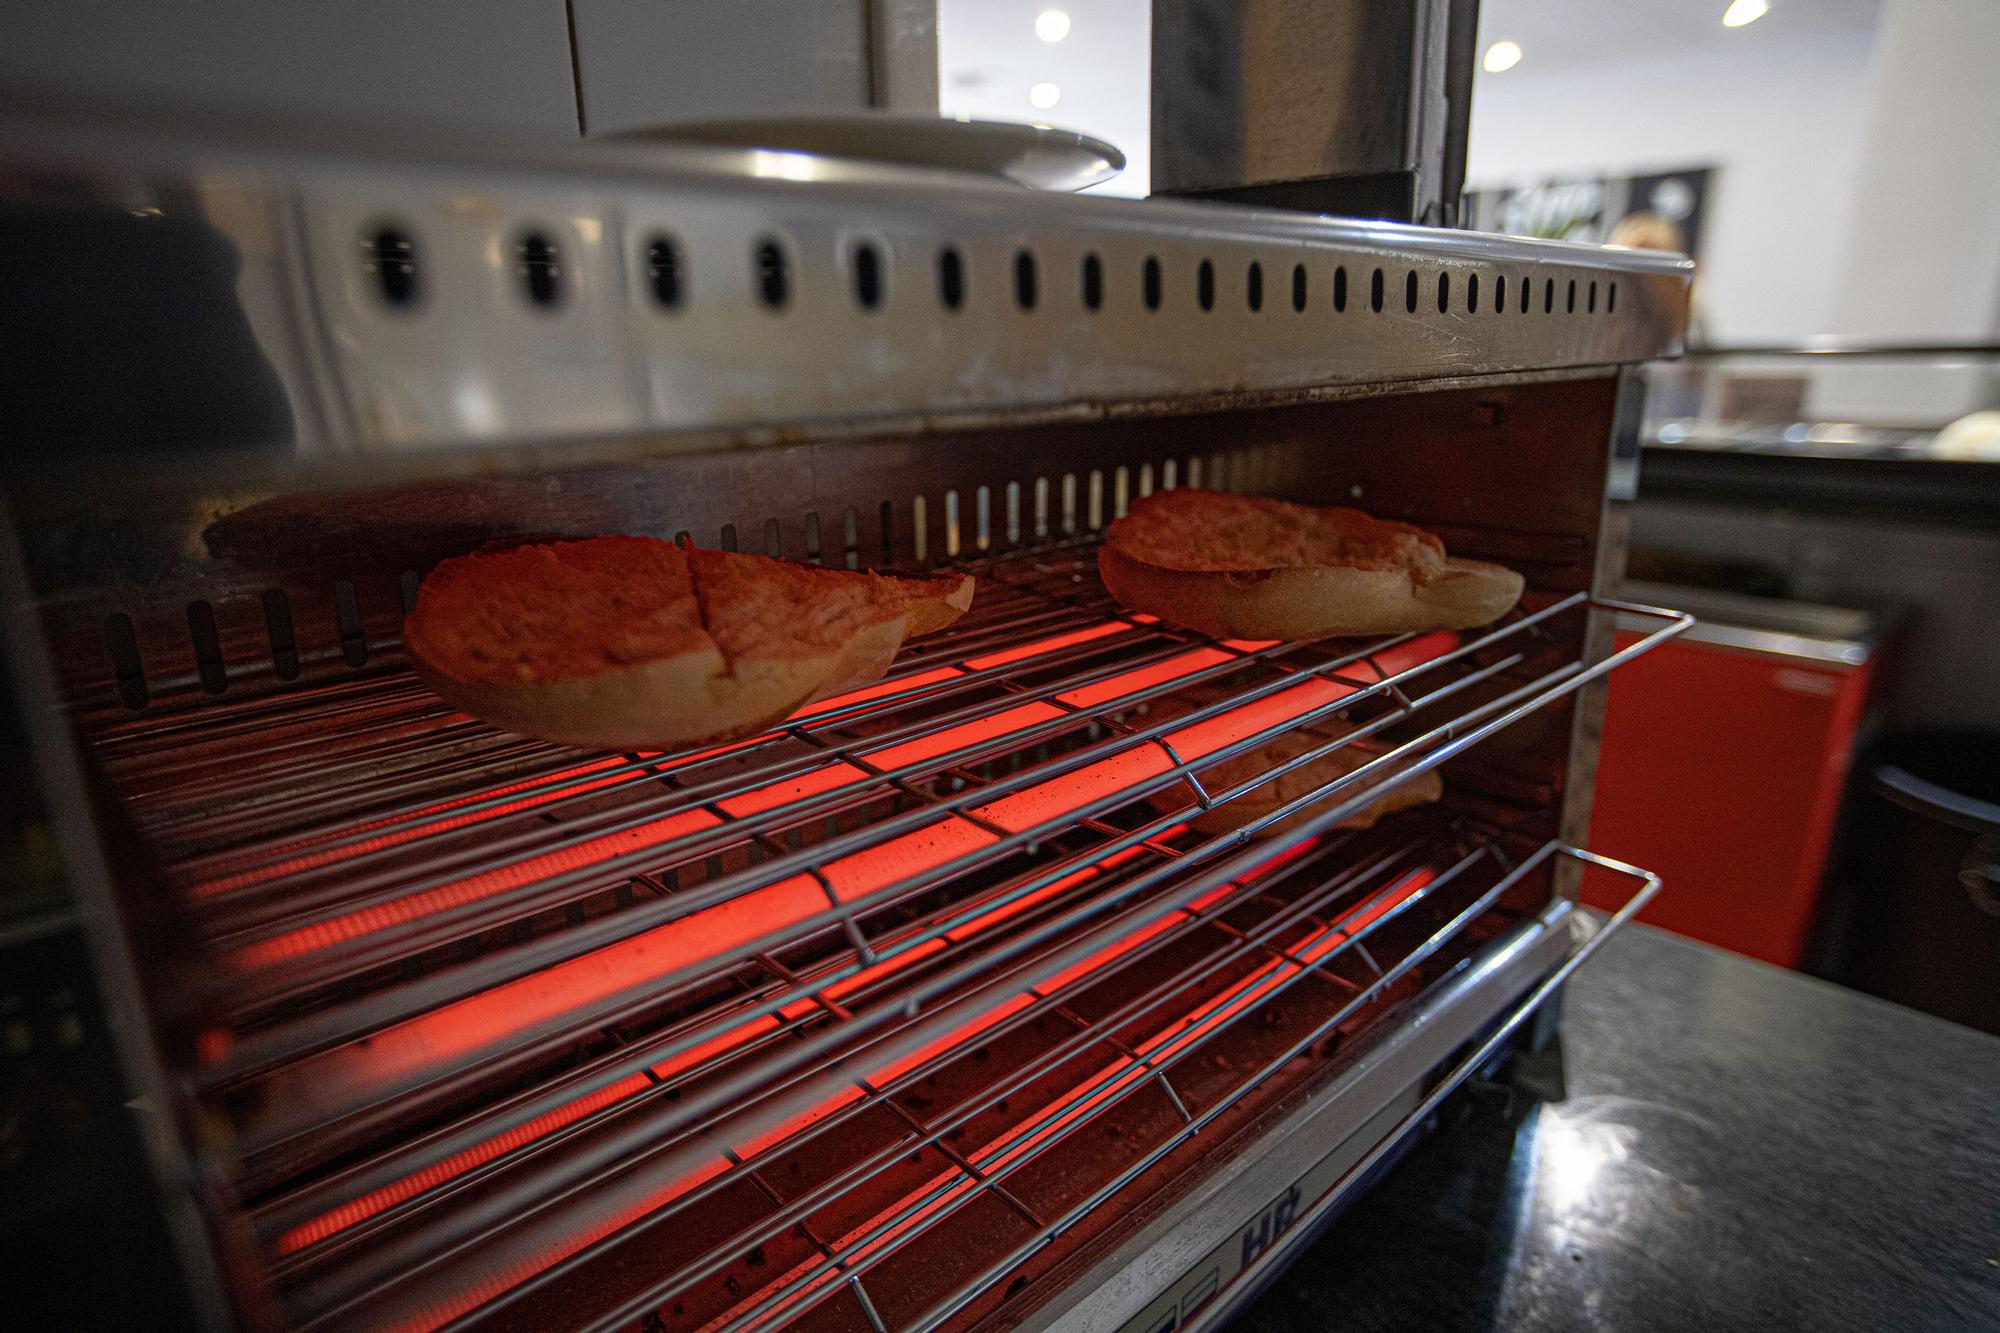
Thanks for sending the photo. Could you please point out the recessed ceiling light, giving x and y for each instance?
(1502, 56)
(1742, 12)
(1051, 25)
(1045, 95)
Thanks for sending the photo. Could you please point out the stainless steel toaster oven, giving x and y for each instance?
(929, 1008)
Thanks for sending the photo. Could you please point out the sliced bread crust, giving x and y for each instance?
(629, 643)
(1423, 789)
(1240, 567)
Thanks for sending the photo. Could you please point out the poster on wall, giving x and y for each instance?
(1584, 207)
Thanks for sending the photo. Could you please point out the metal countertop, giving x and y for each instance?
(1741, 1148)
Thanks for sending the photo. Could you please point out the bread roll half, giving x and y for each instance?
(1423, 789)
(1241, 567)
(629, 643)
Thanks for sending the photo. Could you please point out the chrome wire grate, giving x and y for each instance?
(728, 1037)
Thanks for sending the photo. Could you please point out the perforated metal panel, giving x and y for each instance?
(445, 293)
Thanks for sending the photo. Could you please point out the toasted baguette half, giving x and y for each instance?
(1423, 789)
(630, 643)
(1241, 567)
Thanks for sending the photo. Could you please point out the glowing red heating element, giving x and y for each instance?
(492, 1015)
(431, 820)
(656, 833)
(1108, 1083)
(448, 1168)
(435, 819)
(1114, 1079)
(517, 1009)
(508, 1010)
(367, 1205)
(473, 1297)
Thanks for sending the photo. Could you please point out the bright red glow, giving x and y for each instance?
(987, 920)
(958, 1036)
(942, 1190)
(1087, 634)
(346, 1215)
(384, 916)
(519, 1007)
(1071, 791)
(1273, 710)
(658, 833)
(1109, 1082)
(1083, 967)
(471, 1298)
(880, 690)
(1401, 892)
(569, 782)
(559, 786)
(1405, 656)
(715, 1047)
(867, 871)
(798, 1124)
(445, 1168)
(962, 736)
(431, 820)
(1264, 869)
(1131, 682)
(813, 782)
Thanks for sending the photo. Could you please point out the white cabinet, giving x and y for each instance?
(502, 65)
(486, 64)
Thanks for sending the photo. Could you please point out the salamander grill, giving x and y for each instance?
(929, 1008)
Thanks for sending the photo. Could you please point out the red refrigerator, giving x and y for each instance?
(1725, 754)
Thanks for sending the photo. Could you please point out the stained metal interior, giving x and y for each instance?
(176, 587)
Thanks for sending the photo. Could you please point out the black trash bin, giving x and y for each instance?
(1922, 866)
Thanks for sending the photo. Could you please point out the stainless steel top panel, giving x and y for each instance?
(418, 293)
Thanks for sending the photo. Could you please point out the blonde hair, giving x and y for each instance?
(1647, 231)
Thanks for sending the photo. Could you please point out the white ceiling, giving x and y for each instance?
(989, 57)
(1556, 34)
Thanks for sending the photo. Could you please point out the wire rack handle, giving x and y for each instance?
(1649, 885)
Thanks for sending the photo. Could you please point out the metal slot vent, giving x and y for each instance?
(363, 624)
(443, 297)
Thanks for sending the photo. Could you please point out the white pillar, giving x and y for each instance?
(1922, 253)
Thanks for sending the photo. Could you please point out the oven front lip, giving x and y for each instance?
(1296, 1136)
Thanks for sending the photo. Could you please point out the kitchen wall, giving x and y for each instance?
(1921, 259)
(1778, 111)
(1923, 252)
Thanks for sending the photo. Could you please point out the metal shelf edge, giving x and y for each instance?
(1122, 1284)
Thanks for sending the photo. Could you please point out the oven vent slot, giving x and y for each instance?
(225, 644)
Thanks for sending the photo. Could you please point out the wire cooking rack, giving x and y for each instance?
(485, 1014)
